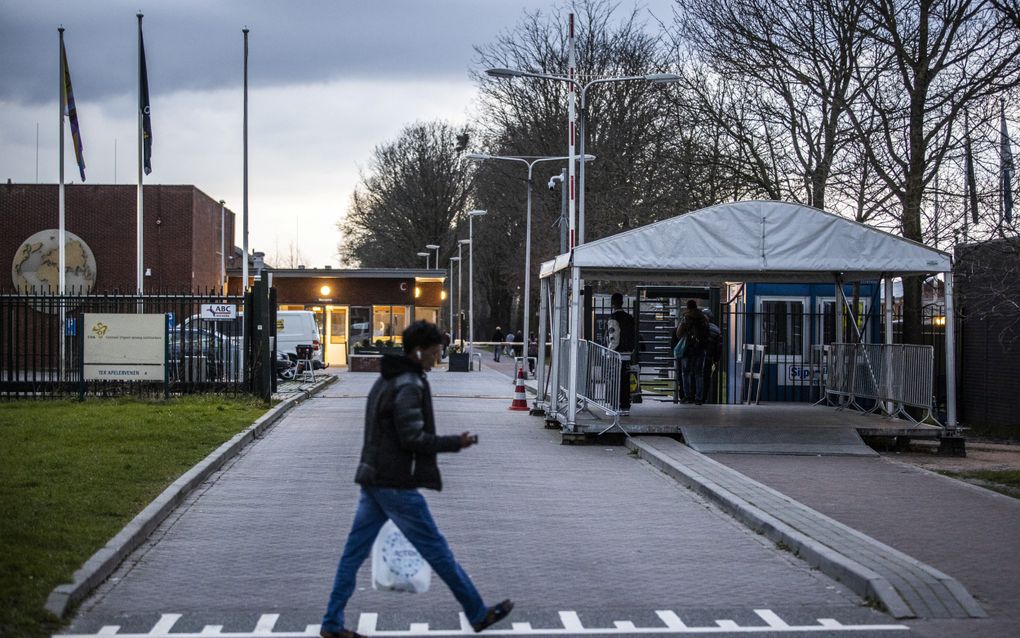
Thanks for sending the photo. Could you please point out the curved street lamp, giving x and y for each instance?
(530, 163)
(426, 256)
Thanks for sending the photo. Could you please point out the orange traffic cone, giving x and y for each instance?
(520, 401)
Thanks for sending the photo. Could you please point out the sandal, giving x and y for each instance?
(494, 615)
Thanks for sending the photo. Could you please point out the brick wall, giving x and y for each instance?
(181, 231)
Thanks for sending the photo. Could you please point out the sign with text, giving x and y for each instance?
(218, 311)
(800, 374)
(124, 347)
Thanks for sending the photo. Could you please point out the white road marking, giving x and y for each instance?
(771, 618)
(366, 623)
(671, 619)
(571, 621)
(266, 623)
(165, 624)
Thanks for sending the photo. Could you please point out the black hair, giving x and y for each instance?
(421, 334)
(616, 301)
(692, 304)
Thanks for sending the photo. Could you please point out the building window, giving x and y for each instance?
(781, 326)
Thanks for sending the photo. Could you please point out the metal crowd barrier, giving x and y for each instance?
(598, 377)
(894, 376)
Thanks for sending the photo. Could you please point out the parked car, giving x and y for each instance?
(199, 354)
(293, 328)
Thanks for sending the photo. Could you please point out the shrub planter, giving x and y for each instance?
(460, 362)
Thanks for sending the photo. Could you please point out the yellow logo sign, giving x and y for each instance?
(100, 329)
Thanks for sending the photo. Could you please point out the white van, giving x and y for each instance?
(293, 328)
(298, 327)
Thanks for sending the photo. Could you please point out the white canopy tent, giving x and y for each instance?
(752, 241)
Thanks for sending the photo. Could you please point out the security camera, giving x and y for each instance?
(553, 180)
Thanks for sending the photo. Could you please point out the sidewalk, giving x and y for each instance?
(579, 537)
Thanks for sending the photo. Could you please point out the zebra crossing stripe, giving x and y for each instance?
(570, 620)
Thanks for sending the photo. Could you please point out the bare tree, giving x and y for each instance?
(414, 194)
(644, 166)
(927, 61)
(779, 77)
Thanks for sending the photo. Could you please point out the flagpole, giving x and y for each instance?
(60, 158)
(61, 276)
(244, 203)
(139, 240)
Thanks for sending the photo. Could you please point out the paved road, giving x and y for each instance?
(584, 539)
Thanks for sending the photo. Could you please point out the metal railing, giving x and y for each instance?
(892, 376)
(41, 356)
(598, 377)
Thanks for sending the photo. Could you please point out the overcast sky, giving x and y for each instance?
(328, 81)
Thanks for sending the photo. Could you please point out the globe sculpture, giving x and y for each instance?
(37, 264)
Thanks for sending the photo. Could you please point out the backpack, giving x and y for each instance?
(714, 342)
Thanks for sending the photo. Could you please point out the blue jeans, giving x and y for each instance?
(693, 365)
(410, 513)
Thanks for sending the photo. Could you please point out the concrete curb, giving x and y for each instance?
(103, 563)
(858, 577)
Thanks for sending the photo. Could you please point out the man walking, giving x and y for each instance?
(621, 339)
(497, 339)
(398, 456)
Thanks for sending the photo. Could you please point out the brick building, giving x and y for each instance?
(182, 232)
(358, 306)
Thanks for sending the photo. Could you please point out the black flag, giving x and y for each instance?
(970, 196)
(143, 103)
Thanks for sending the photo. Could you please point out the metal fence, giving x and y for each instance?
(41, 344)
(882, 377)
(598, 377)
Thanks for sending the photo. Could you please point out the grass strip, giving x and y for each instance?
(73, 474)
(1003, 481)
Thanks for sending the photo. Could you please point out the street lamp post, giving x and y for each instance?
(452, 316)
(434, 247)
(426, 256)
(575, 283)
(460, 286)
(471, 277)
(530, 163)
(655, 78)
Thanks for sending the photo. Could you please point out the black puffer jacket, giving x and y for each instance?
(401, 444)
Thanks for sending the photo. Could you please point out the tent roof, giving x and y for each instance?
(752, 241)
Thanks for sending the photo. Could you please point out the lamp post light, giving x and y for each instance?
(434, 247)
(530, 163)
(460, 284)
(452, 316)
(223, 250)
(575, 282)
(655, 78)
(471, 277)
(426, 256)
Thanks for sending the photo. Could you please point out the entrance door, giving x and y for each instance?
(336, 335)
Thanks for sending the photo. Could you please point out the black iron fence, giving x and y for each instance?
(42, 337)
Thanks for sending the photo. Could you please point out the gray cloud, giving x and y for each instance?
(197, 45)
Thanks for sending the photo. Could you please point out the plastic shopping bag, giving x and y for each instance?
(396, 564)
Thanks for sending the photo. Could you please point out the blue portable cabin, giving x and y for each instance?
(793, 321)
